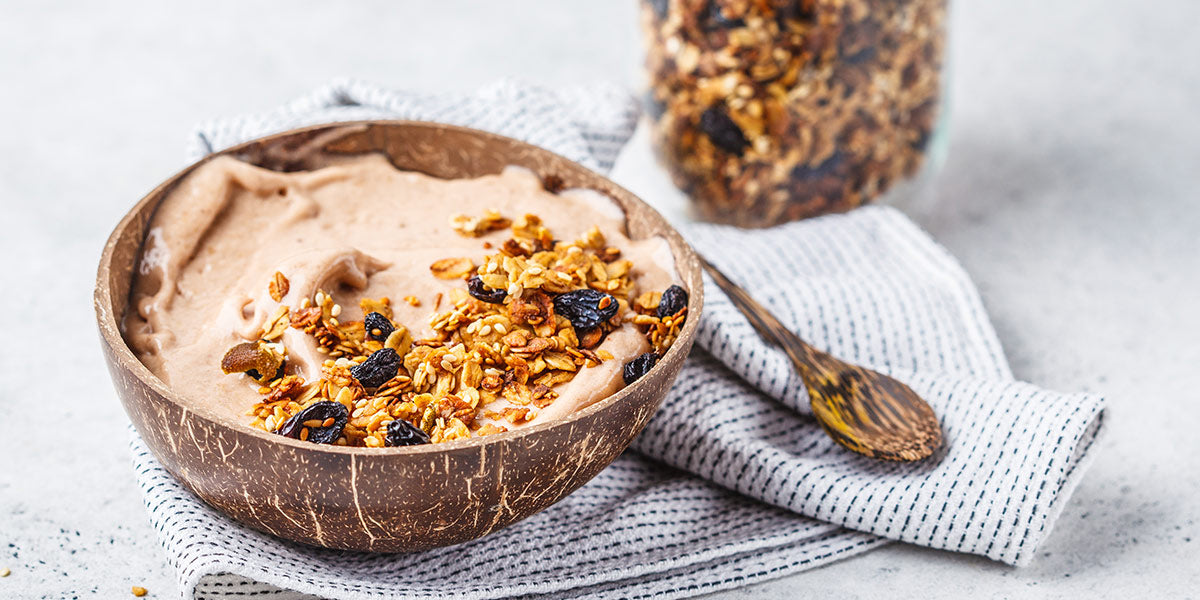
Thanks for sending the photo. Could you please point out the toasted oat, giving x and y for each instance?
(276, 325)
(452, 268)
(477, 226)
(382, 306)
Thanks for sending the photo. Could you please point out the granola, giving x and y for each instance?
(526, 320)
(769, 111)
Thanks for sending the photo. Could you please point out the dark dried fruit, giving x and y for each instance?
(376, 322)
(379, 368)
(674, 299)
(479, 291)
(720, 128)
(636, 368)
(403, 433)
(586, 308)
(316, 415)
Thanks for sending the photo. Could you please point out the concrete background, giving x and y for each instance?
(1069, 195)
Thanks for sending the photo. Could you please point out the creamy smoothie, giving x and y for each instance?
(365, 230)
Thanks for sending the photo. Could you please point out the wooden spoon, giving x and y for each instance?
(865, 411)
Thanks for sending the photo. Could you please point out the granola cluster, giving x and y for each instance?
(528, 319)
(772, 110)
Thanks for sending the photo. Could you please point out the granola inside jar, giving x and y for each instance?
(767, 111)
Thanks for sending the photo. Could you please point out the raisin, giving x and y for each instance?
(375, 321)
(318, 411)
(674, 299)
(379, 368)
(479, 291)
(720, 128)
(636, 368)
(586, 308)
(403, 433)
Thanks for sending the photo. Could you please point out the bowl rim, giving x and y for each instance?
(110, 330)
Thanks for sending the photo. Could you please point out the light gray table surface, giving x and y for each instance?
(1069, 195)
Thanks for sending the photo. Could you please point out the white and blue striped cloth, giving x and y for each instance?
(732, 482)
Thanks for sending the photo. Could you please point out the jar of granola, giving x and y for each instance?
(767, 111)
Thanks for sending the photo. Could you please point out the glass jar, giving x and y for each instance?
(766, 111)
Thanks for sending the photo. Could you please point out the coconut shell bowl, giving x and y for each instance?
(384, 499)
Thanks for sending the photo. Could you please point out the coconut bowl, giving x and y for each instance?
(383, 499)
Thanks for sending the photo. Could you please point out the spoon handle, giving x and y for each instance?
(803, 356)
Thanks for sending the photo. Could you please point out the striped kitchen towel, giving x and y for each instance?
(732, 482)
